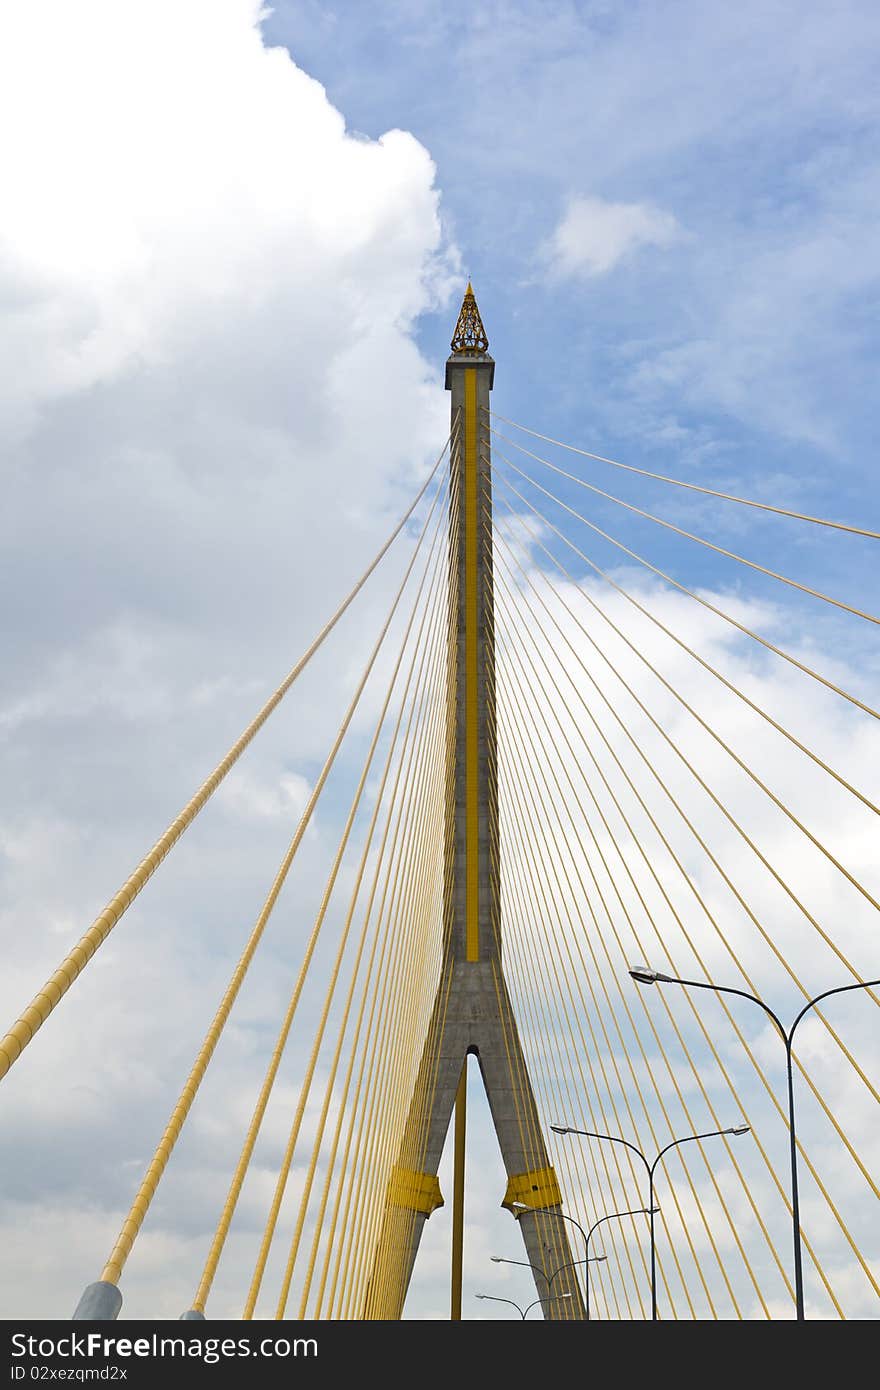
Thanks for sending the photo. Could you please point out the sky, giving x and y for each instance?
(233, 242)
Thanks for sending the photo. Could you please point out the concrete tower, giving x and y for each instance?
(473, 1013)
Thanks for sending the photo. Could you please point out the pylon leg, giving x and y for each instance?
(477, 1017)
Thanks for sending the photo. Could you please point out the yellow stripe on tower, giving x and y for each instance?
(472, 820)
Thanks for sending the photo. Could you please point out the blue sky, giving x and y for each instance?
(226, 313)
(755, 129)
(743, 351)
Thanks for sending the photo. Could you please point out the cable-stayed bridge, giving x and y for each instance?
(572, 773)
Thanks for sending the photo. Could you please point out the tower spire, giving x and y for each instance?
(470, 338)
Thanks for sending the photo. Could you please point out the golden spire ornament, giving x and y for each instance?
(469, 338)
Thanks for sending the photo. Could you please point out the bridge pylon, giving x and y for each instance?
(473, 1012)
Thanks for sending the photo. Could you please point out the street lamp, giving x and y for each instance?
(650, 1167)
(570, 1264)
(522, 1312)
(644, 975)
(520, 1210)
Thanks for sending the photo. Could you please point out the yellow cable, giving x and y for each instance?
(515, 883)
(322, 911)
(405, 1114)
(422, 1091)
(373, 1119)
(419, 1090)
(551, 1231)
(740, 694)
(672, 1075)
(659, 1095)
(704, 603)
(363, 1156)
(775, 799)
(371, 1295)
(695, 487)
(331, 1079)
(368, 1055)
(531, 973)
(36, 1013)
(674, 747)
(688, 880)
(401, 963)
(223, 1226)
(531, 1138)
(689, 535)
(415, 1092)
(554, 1235)
(519, 798)
(770, 1169)
(394, 991)
(352, 1287)
(152, 1178)
(344, 1165)
(776, 1103)
(634, 648)
(384, 936)
(689, 1118)
(733, 1159)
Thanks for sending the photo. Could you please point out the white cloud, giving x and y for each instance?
(168, 169)
(210, 401)
(246, 795)
(594, 236)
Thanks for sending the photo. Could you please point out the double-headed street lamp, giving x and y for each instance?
(644, 975)
(523, 1312)
(650, 1168)
(570, 1264)
(590, 1259)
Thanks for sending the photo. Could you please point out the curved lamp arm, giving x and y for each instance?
(612, 1138)
(523, 1264)
(493, 1298)
(712, 1134)
(841, 989)
(645, 976)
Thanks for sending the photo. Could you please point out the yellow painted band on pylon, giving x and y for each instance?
(414, 1191)
(538, 1188)
(472, 821)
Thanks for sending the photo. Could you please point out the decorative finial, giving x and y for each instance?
(469, 338)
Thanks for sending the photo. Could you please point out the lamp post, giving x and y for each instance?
(570, 1264)
(644, 975)
(650, 1169)
(492, 1298)
(590, 1259)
